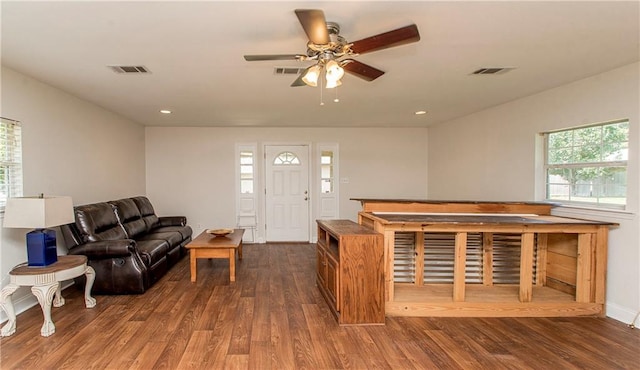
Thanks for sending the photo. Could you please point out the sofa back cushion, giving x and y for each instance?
(97, 222)
(147, 212)
(71, 235)
(129, 216)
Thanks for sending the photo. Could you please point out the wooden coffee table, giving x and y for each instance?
(206, 245)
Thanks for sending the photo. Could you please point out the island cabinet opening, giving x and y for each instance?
(350, 272)
(488, 259)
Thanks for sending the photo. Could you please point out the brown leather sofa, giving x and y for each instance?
(128, 246)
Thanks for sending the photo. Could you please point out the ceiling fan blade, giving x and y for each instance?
(314, 25)
(401, 36)
(364, 71)
(254, 58)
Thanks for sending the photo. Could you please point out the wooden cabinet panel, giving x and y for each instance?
(350, 271)
(332, 282)
(321, 265)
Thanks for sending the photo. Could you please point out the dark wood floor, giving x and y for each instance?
(273, 317)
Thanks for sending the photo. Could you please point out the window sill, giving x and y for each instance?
(599, 213)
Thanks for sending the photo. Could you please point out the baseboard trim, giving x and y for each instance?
(623, 314)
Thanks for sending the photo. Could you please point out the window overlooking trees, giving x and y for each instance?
(588, 165)
(10, 160)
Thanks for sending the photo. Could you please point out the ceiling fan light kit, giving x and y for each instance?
(327, 48)
(333, 73)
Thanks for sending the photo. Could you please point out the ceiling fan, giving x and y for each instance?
(334, 54)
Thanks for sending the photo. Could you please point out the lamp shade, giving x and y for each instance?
(334, 71)
(333, 84)
(38, 212)
(311, 75)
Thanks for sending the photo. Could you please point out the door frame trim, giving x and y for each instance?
(310, 179)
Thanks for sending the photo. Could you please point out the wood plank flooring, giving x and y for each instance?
(273, 317)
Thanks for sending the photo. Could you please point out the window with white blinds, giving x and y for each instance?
(10, 160)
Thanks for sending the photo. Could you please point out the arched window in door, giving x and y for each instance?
(286, 159)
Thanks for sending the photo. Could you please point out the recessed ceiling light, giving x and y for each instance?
(420, 112)
(165, 111)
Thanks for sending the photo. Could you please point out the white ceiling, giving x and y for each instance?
(195, 53)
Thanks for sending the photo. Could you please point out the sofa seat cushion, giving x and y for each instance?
(185, 231)
(173, 238)
(152, 250)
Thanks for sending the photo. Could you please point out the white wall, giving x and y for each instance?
(190, 171)
(491, 155)
(70, 147)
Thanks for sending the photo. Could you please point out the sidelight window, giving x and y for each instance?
(326, 171)
(247, 171)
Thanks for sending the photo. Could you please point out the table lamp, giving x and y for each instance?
(40, 213)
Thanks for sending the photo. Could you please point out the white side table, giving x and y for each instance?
(44, 282)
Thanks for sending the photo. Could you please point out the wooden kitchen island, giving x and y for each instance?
(488, 259)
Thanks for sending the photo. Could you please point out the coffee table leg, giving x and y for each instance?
(232, 264)
(240, 250)
(192, 257)
(45, 293)
(7, 304)
(58, 301)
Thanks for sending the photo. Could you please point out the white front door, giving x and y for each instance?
(287, 192)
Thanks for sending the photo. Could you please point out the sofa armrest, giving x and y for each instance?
(106, 249)
(172, 221)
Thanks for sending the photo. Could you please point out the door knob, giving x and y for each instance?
(306, 198)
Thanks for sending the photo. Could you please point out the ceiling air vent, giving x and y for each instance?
(492, 71)
(129, 69)
(287, 71)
